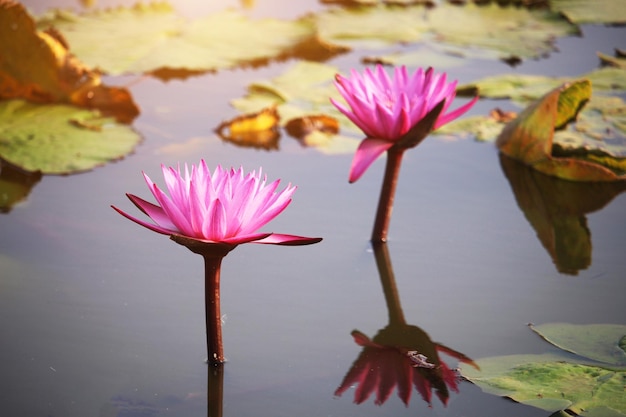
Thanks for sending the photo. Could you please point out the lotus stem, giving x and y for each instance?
(387, 193)
(215, 348)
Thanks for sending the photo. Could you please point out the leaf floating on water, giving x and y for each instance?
(258, 130)
(60, 139)
(598, 342)
(613, 61)
(37, 66)
(552, 383)
(596, 11)
(512, 33)
(152, 38)
(529, 138)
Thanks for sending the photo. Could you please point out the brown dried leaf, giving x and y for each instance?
(37, 66)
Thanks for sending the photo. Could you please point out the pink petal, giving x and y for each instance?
(288, 240)
(446, 118)
(366, 154)
(150, 226)
(153, 211)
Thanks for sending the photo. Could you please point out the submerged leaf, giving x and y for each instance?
(529, 138)
(37, 66)
(147, 38)
(60, 139)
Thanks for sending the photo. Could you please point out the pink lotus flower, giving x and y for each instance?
(386, 109)
(226, 207)
(211, 214)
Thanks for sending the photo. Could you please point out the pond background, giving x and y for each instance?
(100, 317)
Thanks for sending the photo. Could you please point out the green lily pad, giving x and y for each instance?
(60, 139)
(551, 383)
(504, 31)
(146, 38)
(596, 11)
(598, 342)
(525, 88)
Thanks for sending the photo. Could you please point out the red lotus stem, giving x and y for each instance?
(215, 348)
(387, 193)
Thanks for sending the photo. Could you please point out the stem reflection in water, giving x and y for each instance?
(400, 355)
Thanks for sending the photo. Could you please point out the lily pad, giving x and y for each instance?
(504, 31)
(552, 383)
(597, 11)
(529, 138)
(60, 139)
(147, 38)
(598, 342)
(525, 88)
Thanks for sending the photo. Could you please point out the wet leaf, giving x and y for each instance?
(598, 342)
(37, 66)
(60, 139)
(147, 38)
(504, 32)
(529, 138)
(551, 383)
(597, 11)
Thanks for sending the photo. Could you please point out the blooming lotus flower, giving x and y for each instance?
(226, 207)
(211, 214)
(388, 108)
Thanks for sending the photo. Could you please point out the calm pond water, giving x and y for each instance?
(101, 317)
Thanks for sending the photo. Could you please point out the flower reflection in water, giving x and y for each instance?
(400, 355)
(556, 209)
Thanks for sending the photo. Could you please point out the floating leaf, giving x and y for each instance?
(482, 128)
(524, 88)
(37, 66)
(529, 138)
(596, 11)
(598, 342)
(60, 139)
(504, 31)
(551, 383)
(613, 61)
(258, 130)
(147, 38)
